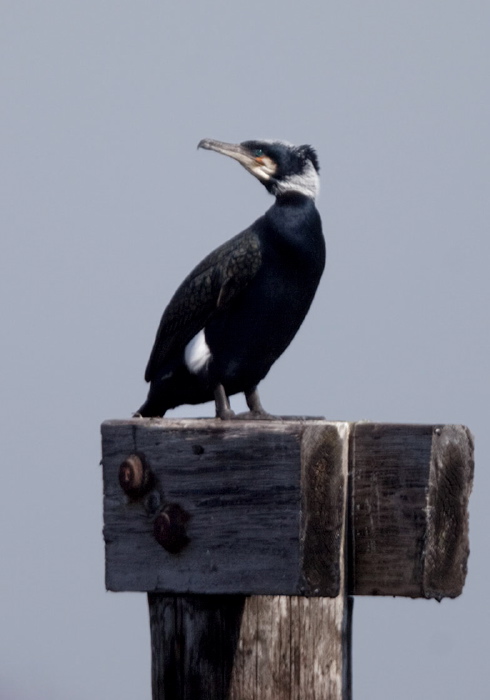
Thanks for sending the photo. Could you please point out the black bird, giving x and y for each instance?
(239, 309)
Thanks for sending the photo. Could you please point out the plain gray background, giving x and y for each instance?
(106, 206)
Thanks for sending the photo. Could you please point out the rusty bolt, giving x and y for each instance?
(169, 528)
(135, 476)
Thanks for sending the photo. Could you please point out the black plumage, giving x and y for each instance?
(239, 309)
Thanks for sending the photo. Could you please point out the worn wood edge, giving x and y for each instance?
(324, 465)
(450, 483)
(214, 425)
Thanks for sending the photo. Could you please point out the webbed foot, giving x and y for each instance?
(255, 415)
(257, 411)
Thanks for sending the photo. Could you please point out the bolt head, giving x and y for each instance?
(170, 528)
(135, 477)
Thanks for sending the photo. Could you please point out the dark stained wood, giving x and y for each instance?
(193, 641)
(266, 507)
(409, 509)
(265, 501)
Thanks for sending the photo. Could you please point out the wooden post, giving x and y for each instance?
(249, 538)
(194, 640)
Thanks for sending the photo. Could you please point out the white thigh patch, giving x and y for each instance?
(197, 353)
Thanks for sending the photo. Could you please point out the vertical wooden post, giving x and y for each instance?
(193, 644)
(255, 648)
(294, 648)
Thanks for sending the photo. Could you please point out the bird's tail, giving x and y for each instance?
(151, 409)
(175, 386)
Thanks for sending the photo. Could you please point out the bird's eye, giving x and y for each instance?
(258, 152)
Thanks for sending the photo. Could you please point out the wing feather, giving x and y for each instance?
(210, 286)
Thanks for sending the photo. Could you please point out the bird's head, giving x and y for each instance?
(280, 166)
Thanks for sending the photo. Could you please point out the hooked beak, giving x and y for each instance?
(234, 150)
(257, 166)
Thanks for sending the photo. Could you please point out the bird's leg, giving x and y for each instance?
(223, 409)
(253, 401)
(256, 411)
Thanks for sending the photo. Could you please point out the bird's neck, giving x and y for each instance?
(294, 198)
(306, 183)
(294, 218)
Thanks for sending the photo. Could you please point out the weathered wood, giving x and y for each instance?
(265, 502)
(294, 648)
(324, 487)
(409, 525)
(257, 648)
(447, 543)
(298, 648)
(265, 506)
(265, 647)
(193, 642)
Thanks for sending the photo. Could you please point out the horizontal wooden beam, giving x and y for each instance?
(410, 486)
(261, 508)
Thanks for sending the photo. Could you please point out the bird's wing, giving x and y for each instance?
(210, 286)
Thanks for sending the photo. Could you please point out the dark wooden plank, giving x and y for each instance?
(410, 490)
(256, 495)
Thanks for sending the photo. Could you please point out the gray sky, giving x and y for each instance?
(106, 206)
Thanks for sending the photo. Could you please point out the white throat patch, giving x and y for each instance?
(307, 183)
(197, 353)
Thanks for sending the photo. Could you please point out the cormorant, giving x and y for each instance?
(239, 309)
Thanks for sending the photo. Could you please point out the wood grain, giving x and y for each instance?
(266, 506)
(265, 500)
(409, 509)
(265, 647)
(193, 642)
(257, 648)
(450, 481)
(269, 509)
(293, 648)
